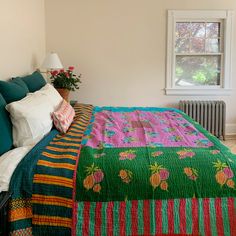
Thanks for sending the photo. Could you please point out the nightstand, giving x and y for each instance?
(4, 199)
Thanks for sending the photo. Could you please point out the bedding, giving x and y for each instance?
(6, 140)
(53, 96)
(126, 171)
(13, 90)
(34, 82)
(31, 119)
(63, 117)
(8, 163)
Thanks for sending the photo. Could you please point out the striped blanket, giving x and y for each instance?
(42, 184)
(126, 171)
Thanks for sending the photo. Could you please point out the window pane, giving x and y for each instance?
(182, 30)
(198, 29)
(182, 45)
(212, 45)
(213, 30)
(197, 45)
(197, 70)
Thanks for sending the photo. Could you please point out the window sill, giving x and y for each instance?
(198, 91)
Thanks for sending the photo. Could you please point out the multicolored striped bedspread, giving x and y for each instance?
(126, 171)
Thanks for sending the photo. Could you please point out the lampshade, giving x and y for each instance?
(52, 61)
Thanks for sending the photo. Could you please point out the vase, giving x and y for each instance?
(64, 93)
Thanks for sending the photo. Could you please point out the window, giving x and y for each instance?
(199, 52)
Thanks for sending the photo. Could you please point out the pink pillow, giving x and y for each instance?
(63, 117)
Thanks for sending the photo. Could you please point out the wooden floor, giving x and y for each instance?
(231, 144)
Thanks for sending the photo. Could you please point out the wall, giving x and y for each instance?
(120, 48)
(22, 40)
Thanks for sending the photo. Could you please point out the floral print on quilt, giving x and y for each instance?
(144, 128)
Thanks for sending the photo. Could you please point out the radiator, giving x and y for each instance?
(210, 114)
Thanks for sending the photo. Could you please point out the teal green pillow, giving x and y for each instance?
(13, 90)
(6, 140)
(34, 81)
(20, 82)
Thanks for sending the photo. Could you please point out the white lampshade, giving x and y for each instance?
(52, 61)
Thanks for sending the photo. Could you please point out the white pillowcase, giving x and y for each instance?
(8, 163)
(31, 116)
(31, 119)
(53, 96)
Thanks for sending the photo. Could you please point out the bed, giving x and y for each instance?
(125, 171)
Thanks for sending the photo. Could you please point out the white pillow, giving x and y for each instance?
(53, 96)
(31, 119)
(8, 163)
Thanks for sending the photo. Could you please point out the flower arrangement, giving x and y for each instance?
(65, 79)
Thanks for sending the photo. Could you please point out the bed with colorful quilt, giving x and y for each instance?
(125, 171)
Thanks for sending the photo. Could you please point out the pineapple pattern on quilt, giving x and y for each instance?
(214, 152)
(127, 152)
(126, 176)
(185, 153)
(156, 154)
(191, 173)
(93, 179)
(224, 174)
(159, 176)
(127, 155)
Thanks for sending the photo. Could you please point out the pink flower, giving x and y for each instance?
(71, 68)
(67, 74)
(123, 155)
(54, 72)
(190, 154)
(62, 70)
(131, 156)
(127, 155)
(185, 154)
(156, 154)
(164, 174)
(98, 176)
(228, 172)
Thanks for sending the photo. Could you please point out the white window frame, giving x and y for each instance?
(227, 19)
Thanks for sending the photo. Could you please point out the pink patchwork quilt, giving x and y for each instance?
(143, 128)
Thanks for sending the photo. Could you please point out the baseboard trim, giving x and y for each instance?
(231, 130)
(230, 137)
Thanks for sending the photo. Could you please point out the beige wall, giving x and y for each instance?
(22, 36)
(120, 48)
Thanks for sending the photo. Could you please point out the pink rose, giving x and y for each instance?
(67, 74)
(54, 72)
(62, 70)
(71, 68)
